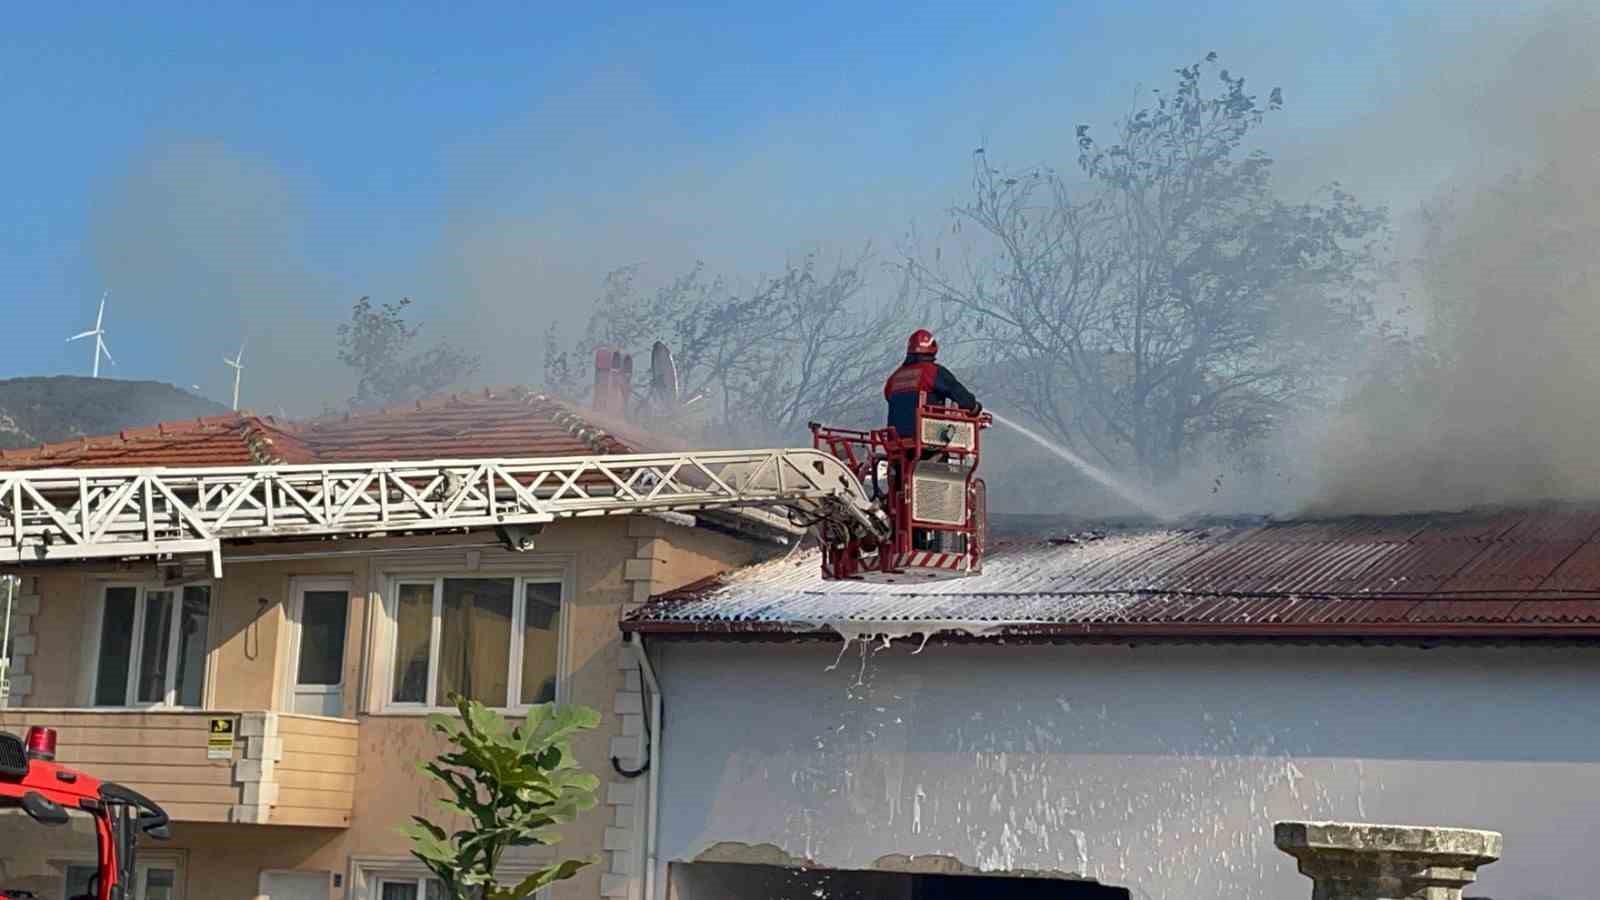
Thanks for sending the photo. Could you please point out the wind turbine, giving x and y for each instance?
(99, 335)
(237, 364)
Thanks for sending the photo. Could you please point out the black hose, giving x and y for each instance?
(626, 772)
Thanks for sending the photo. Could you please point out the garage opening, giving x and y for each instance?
(748, 881)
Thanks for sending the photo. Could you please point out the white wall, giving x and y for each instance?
(1158, 768)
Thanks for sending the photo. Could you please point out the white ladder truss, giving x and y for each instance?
(59, 514)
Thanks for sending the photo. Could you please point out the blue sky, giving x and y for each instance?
(236, 172)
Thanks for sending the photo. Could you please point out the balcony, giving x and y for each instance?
(277, 769)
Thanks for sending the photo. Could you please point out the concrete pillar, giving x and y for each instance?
(1352, 861)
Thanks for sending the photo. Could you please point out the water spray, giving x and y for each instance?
(1128, 492)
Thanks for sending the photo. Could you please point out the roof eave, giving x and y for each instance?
(1056, 631)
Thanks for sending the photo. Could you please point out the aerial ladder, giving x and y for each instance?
(883, 508)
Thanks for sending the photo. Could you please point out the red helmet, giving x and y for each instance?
(921, 341)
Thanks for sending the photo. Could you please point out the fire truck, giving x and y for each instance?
(59, 825)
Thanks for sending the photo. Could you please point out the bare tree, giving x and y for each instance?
(378, 344)
(1035, 300)
(810, 342)
(833, 345)
(1169, 300)
(719, 338)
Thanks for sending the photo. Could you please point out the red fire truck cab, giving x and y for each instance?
(65, 835)
(927, 484)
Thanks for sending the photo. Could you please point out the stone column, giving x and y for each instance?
(1352, 861)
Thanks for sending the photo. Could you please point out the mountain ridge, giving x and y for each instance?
(38, 410)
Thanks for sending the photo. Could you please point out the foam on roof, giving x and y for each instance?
(1501, 573)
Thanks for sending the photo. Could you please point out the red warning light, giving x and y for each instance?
(42, 743)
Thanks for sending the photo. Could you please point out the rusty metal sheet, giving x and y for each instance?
(1510, 565)
(1571, 610)
(1418, 567)
(1469, 526)
(1558, 523)
(1579, 571)
(1465, 611)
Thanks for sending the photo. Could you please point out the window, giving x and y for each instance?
(318, 617)
(388, 878)
(153, 645)
(410, 889)
(494, 640)
(322, 624)
(80, 880)
(157, 883)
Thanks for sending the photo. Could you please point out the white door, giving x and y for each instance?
(319, 614)
(294, 886)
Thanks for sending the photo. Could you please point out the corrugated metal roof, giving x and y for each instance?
(1479, 574)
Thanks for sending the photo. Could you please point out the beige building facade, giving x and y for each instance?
(279, 712)
(324, 668)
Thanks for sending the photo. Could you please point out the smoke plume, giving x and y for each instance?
(1497, 403)
(205, 247)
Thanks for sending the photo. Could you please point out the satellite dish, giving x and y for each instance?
(663, 377)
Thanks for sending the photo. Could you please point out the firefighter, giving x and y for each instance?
(919, 374)
(917, 377)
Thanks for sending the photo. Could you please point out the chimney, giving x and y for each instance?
(613, 382)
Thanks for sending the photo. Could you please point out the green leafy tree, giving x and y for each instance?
(377, 343)
(511, 785)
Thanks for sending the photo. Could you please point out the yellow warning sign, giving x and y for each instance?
(219, 742)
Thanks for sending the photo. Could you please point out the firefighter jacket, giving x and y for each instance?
(919, 374)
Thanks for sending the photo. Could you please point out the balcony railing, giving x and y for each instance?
(263, 768)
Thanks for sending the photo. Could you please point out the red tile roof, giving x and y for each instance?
(215, 441)
(512, 422)
(487, 424)
(1524, 573)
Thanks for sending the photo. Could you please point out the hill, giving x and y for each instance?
(35, 411)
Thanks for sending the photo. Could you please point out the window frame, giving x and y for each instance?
(176, 860)
(420, 882)
(68, 864)
(559, 575)
(141, 608)
(368, 875)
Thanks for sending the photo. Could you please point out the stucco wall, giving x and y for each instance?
(1157, 768)
(682, 555)
(245, 664)
(388, 785)
(59, 630)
